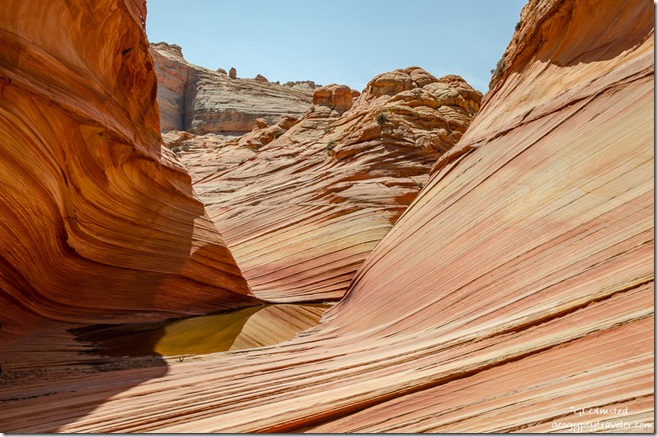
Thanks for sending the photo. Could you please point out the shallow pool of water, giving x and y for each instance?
(242, 329)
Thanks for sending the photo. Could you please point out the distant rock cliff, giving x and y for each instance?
(201, 101)
(303, 202)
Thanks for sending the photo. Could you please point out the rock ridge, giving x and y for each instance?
(301, 204)
(201, 101)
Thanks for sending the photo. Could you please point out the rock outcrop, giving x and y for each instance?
(201, 101)
(302, 203)
(172, 76)
(307, 85)
(335, 97)
(514, 294)
(98, 220)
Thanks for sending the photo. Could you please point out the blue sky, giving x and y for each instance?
(339, 41)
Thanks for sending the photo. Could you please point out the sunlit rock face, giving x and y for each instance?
(201, 101)
(303, 202)
(98, 220)
(525, 267)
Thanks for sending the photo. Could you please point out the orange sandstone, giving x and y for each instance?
(98, 220)
(303, 202)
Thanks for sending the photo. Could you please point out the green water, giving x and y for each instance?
(242, 329)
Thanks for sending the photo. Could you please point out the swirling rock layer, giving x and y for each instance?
(201, 101)
(98, 221)
(515, 293)
(302, 204)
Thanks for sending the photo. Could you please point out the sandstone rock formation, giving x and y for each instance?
(515, 293)
(335, 97)
(98, 220)
(172, 76)
(307, 85)
(200, 101)
(301, 204)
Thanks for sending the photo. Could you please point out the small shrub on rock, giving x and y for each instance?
(330, 146)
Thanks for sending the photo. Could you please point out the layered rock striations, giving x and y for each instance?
(303, 202)
(529, 257)
(201, 101)
(515, 293)
(98, 220)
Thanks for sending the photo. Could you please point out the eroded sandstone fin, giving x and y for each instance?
(98, 221)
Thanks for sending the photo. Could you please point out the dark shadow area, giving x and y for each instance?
(45, 378)
(54, 379)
